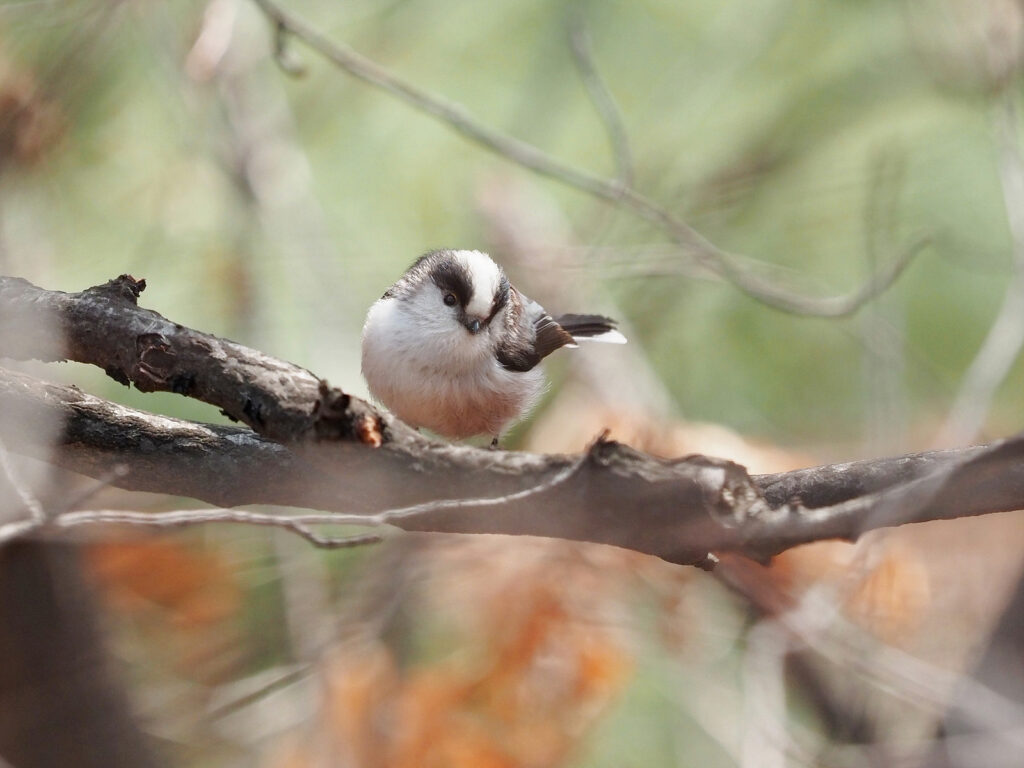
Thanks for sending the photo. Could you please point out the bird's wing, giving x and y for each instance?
(522, 349)
(550, 333)
(531, 334)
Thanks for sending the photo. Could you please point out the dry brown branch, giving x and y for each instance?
(104, 326)
(315, 447)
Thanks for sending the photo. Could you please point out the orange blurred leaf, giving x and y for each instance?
(193, 588)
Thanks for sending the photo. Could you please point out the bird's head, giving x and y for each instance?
(461, 291)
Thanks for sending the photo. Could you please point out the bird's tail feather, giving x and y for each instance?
(591, 328)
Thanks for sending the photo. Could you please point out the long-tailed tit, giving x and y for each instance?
(454, 348)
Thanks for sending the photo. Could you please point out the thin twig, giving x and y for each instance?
(1005, 338)
(601, 98)
(831, 306)
(284, 56)
(301, 524)
(389, 515)
(738, 270)
(17, 529)
(37, 515)
(883, 344)
(814, 622)
(298, 524)
(102, 482)
(817, 623)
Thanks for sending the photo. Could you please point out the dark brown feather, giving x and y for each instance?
(586, 325)
(550, 336)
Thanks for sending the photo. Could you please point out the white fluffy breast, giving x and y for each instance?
(432, 373)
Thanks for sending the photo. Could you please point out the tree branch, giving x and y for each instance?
(346, 458)
(297, 524)
(744, 272)
(602, 99)
(1005, 338)
(104, 326)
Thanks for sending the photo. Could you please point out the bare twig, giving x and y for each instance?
(17, 529)
(766, 737)
(833, 306)
(879, 328)
(678, 510)
(298, 524)
(344, 456)
(285, 57)
(1005, 338)
(214, 38)
(102, 482)
(393, 516)
(301, 523)
(601, 98)
(29, 502)
(38, 517)
(741, 271)
(815, 623)
(104, 326)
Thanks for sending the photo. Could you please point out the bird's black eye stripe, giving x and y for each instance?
(450, 300)
(453, 280)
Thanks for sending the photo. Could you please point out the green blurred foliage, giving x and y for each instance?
(818, 137)
(276, 209)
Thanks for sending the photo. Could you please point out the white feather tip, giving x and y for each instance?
(608, 337)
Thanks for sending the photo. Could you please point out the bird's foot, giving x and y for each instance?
(494, 443)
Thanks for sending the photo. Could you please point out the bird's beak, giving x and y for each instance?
(473, 324)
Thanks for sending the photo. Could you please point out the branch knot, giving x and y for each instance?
(123, 287)
(337, 416)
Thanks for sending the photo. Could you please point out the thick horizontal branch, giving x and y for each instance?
(415, 485)
(679, 510)
(104, 326)
(374, 469)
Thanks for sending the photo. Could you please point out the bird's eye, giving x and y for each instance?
(450, 300)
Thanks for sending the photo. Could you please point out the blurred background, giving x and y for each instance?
(269, 197)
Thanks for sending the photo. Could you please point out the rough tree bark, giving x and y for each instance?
(313, 446)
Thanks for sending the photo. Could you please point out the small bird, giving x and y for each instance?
(454, 348)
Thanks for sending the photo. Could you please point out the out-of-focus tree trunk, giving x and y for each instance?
(962, 744)
(60, 705)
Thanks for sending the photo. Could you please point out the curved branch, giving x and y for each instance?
(342, 456)
(679, 510)
(104, 326)
(739, 270)
(1005, 338)
(181, 518)
(602, 99)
